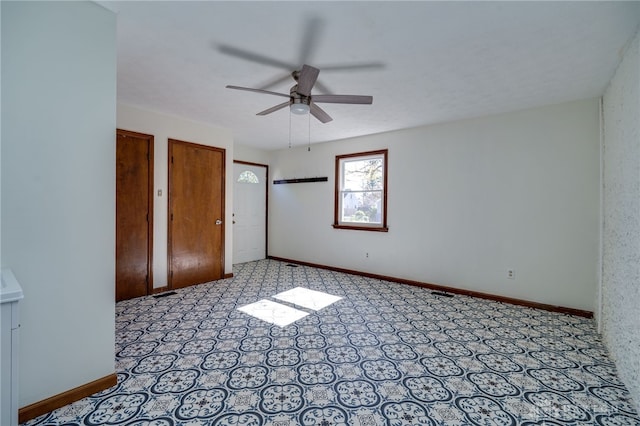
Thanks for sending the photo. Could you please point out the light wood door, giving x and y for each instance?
(249, 211)
(196, 213)
(134, 214)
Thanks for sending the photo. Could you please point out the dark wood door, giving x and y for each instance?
(134, 214)
(196, 214)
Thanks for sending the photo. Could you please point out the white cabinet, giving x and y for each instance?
(10, 296)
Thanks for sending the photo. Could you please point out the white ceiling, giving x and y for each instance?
(441, 61)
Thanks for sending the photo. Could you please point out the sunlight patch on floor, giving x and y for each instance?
(272, 312)
(281, 315)
(306, 298)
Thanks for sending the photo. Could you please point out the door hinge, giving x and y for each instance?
(147, 217)
(171, 216)
(147, 279)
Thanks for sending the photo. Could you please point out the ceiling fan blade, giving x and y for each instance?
(312, 30)
(348, 67)
(254, 57)
(272, 83)
(248, 89)
(307, 78)
(274, 108)
(276, 81)
(319, 113)
(343, 99)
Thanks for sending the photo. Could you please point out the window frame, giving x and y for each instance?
(360, 226)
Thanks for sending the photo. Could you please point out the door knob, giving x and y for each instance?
(218, 222)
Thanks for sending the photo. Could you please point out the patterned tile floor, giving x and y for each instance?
(385, 354)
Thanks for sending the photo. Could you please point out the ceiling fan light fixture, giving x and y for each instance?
(300, 108)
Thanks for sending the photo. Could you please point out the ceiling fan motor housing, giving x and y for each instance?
(299, 103)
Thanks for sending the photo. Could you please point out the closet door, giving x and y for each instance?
(134, 214)
(196, 213)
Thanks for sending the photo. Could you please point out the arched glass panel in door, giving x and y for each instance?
(248, 177)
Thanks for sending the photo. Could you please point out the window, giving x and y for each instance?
(361, 191)
(248, 177)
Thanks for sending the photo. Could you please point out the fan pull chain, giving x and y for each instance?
(309, 136)
(289, 129)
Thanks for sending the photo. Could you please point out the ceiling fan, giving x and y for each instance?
(301, 101)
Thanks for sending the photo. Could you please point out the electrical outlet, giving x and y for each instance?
(511, 274)
(366, 255)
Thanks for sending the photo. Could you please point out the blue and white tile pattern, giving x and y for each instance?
(384, 354)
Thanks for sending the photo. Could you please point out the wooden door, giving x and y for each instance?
(249, 211)
(134, 214)
(196, 213)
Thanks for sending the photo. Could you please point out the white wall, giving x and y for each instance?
(58, 189)
(467, 201)
(250, 154)
(620, 316)
(164, 127)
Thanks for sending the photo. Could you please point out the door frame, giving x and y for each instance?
(266, 198)
(151, 186)
(170, 143)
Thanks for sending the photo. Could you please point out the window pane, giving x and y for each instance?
(362, 207)
(248, 177)
(361, 191)
(362, 175)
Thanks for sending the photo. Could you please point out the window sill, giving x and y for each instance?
(362, 228)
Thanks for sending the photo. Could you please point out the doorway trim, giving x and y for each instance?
(266, 207)
(151, 185)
